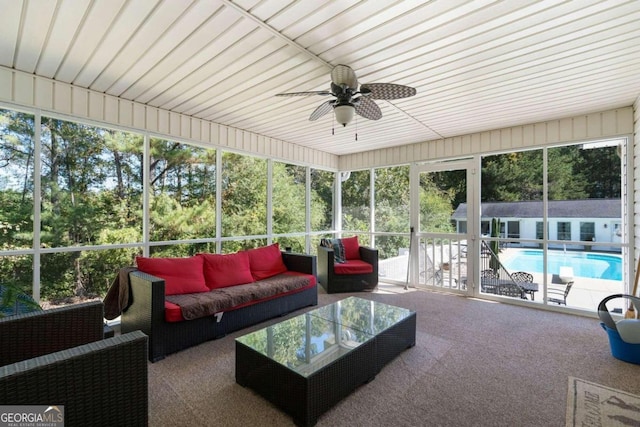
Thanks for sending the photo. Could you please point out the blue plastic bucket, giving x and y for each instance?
(620, 349)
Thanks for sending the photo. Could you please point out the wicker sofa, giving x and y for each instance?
(149, 310)
(59, 357)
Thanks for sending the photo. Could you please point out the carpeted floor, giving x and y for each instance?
(475, 363)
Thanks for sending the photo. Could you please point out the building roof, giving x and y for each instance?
(590, 208)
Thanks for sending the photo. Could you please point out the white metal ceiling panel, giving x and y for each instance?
(143, 26)
(477, 65)
(71, 15)
(35, 27)
(178, 37)
(124, 26)
(192, 52)
(95, 26)
(10, 20)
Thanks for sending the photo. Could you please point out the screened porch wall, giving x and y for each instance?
(22, 89)
(26, 90)
(606, 124)
(636, 177)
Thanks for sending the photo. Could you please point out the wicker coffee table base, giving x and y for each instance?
(306, 398)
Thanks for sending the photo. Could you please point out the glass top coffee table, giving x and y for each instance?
(308, 363)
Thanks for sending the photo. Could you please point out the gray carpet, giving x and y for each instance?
(475, 363)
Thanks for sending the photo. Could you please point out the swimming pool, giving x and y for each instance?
(585, 264)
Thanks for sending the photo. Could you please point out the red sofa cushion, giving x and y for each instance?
(181, 275)
(266, 261)
(353, 266)
(351, 247)
(225, 270)
(173, 312)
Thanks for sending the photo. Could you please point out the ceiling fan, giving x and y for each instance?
(349, 99)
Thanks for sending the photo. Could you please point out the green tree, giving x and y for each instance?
(322, 193)
(288, 198)
(566, 179)
(244, 198)
(436, 207)
(355, 201)
(602, 171)
(512, 177)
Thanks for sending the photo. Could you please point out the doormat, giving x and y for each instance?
(590, 404)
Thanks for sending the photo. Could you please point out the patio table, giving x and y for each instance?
(308, 363)
(527, 287)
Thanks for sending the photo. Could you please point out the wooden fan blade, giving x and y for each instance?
(387, 90)
(368, 109)
(321, 92)
(343, 74)
(322, 109)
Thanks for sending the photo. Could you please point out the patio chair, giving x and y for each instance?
(358, 270)
(58, 357)
(524, 277)
(429, 274)
(488, 281)
(557, 292)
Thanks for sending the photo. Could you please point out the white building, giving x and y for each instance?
(591, 220)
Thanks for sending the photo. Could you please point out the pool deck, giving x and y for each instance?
(585, 293)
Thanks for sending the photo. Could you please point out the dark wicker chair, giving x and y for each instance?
(58, 357)
(333, 282)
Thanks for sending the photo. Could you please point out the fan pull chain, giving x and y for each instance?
(356, 128)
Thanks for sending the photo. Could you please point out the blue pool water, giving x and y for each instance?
(584, 264)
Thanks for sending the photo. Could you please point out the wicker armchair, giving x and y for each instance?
(58, 357)
(333, 282)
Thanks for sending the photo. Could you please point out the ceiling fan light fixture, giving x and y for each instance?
(344, 113)
(349, 100)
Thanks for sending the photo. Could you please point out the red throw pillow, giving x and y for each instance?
(266, 261)
(221, 271)
(181, 275)
(351, 247)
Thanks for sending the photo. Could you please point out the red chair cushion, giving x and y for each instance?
(266, 261)
(353, 266)
(221, 271)
(181, 275)
(351, 247)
